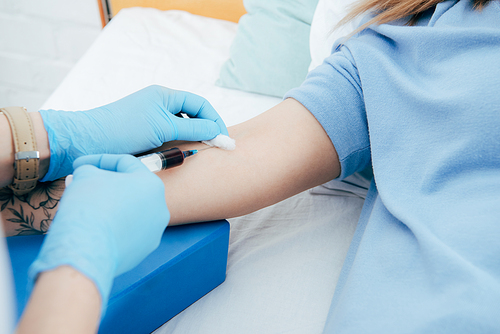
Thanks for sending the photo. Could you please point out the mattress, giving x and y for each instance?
(284, 260)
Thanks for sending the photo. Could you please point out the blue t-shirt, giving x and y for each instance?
(422, 105)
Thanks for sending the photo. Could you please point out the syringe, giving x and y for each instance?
(165, 159)
(158, 161)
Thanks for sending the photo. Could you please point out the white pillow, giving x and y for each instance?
(322, 36)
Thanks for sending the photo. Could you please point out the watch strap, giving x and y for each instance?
(26, 158)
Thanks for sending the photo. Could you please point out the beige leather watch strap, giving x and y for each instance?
(26, 158)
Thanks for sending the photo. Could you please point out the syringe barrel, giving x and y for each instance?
(171, 158)
(163, 160)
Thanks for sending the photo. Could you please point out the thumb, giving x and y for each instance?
(124, 163)
(196, 129)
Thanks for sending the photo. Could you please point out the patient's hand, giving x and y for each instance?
(33, 212)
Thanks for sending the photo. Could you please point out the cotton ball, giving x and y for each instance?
(221, 141)
(68, 180)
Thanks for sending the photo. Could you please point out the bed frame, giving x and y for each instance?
(229, 10)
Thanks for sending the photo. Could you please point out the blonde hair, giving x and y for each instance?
(391, 10)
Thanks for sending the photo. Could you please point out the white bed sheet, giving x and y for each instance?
(144, 46)
(284, 260)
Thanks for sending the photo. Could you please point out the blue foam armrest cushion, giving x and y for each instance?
(190, 261)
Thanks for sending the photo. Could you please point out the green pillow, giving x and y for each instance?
(270, 52)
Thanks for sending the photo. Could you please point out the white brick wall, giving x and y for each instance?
(40, 40)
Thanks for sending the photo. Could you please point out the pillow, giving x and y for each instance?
(322, 36)
(270, 52)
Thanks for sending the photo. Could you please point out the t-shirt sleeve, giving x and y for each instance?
(332, 93)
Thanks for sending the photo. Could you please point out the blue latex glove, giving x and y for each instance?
(110, 218)
(137, 123)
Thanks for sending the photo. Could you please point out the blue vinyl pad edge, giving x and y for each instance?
(190, 262)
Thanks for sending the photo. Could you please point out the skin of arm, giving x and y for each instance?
(278, 154)
(63, 301)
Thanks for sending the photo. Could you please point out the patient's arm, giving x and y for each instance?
(278, 154)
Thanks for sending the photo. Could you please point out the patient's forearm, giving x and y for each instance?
(278, 154)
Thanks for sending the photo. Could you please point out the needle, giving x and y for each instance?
(206, 148)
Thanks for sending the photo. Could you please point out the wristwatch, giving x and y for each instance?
(27, 157)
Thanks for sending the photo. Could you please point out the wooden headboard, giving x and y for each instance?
(230, 10)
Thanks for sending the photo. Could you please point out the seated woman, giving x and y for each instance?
(420, 103)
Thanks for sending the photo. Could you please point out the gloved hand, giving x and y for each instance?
(110, 218)
(137, 123)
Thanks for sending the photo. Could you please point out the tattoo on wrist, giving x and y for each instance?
(31, 213)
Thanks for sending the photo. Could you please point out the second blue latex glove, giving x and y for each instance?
(110, 218)
(137, 123)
